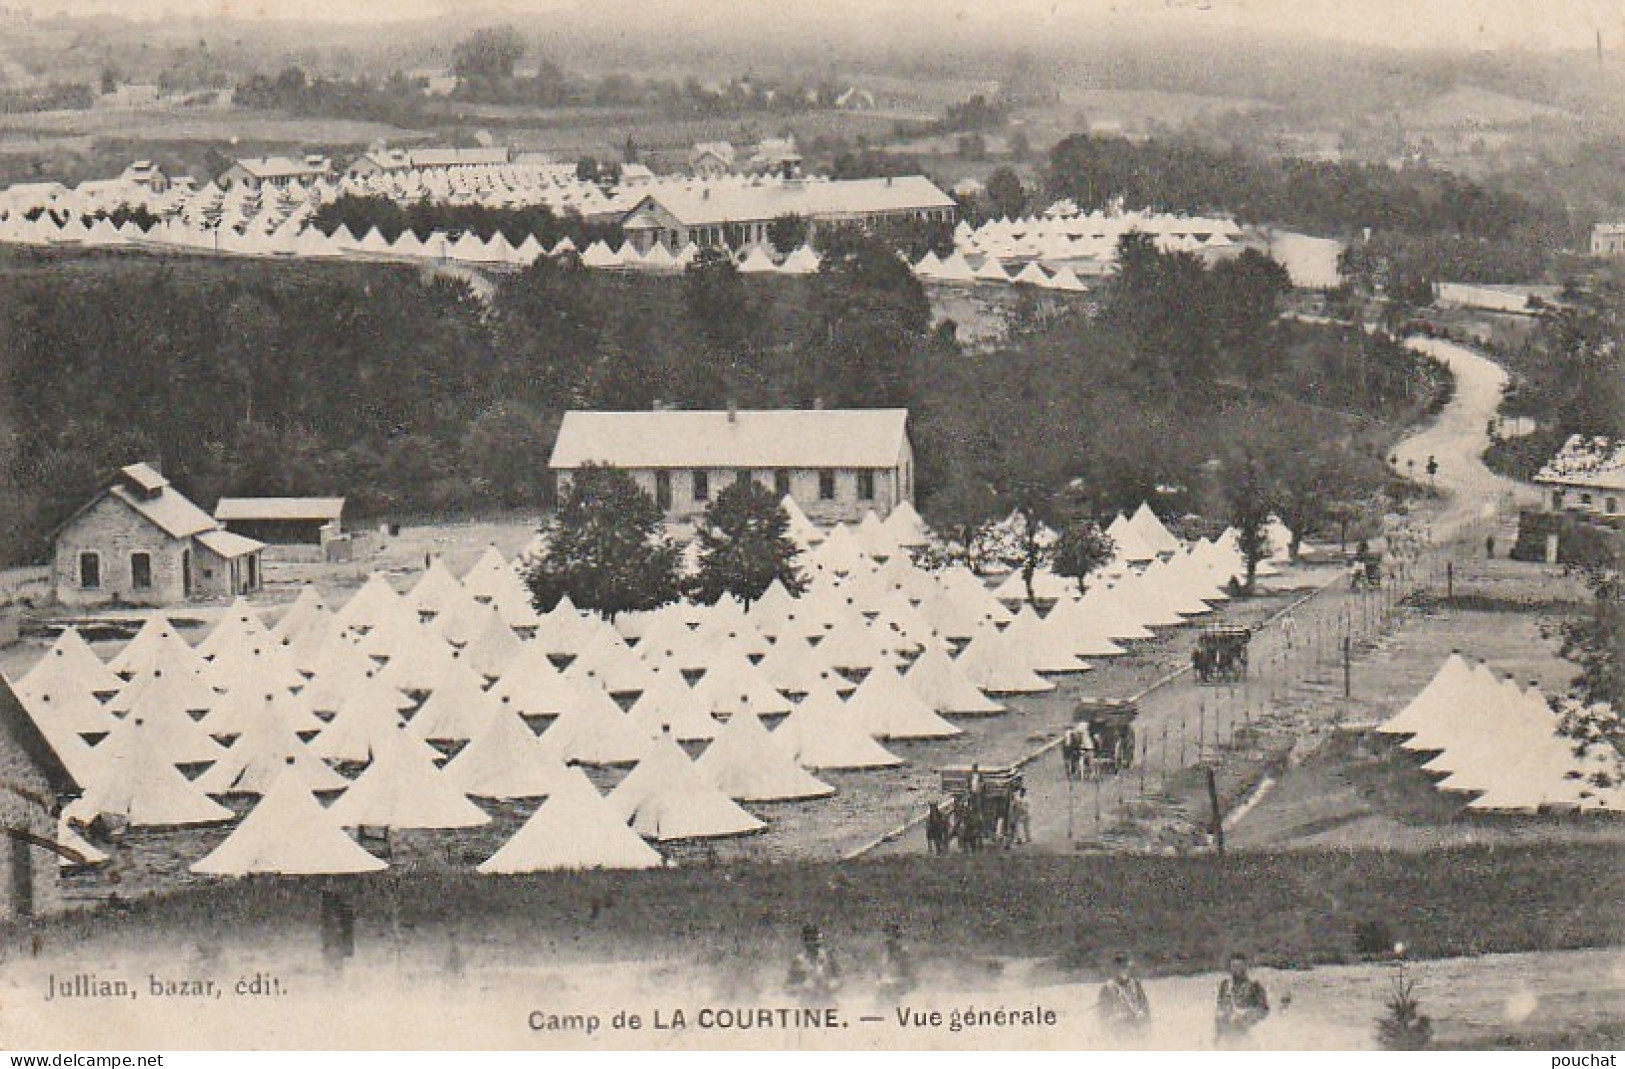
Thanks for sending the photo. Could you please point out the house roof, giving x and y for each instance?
(459, 157)
(228, 545)
(1587, 462)
(707, 205)
(161, 504)
(282, 167)
(784, 438)
(278, 508)
(722, 150)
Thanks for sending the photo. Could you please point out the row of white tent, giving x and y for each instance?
(1498, 743)
(1088, 243)
(876, 649)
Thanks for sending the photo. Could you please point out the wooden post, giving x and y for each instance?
(1218, 815)
(1348, 656)
(1450, 580)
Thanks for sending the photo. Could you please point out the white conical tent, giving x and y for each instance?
(249, 704)
(665, 799)
(1115, 608)
(70, 661)
(374, 604)
(822, 733)
(733, 684)
(418, 659)
(757, 262)
(457, 709)
(532, 686)
(1129, 545)
(504, 759)
(1081, 631)
(492, 647)
(938, 682)
(307, 611)
(266, 750)
(999, 666)
(563, 631)
(290, 834)
(576, 828)
(497, 582)
(1440, 693)
(403, 789)
(365, 723)
(1046, 649)
(746, 764)
(593, 730)
(136, 781)
(887, 709)
(240, 626)
(156, 645)
(905, 527)
(164, 701)
(671, 705)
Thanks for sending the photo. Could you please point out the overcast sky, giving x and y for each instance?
(1472, 24)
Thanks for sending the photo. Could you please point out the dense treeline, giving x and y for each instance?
(363, 213)
(397, 99)
(408, 395)
(1331, 199)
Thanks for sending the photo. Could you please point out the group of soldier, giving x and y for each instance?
(815, 979)
(1242, 1002)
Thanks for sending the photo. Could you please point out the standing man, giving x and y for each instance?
(1018, 823)
(814, 976)
(1122, 1004)
(1242, 1001)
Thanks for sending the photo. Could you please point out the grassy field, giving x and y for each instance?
(1180, 915)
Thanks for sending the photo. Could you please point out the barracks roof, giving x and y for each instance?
(782, 438)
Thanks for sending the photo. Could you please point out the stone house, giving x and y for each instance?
(36, 783)
(140, 541)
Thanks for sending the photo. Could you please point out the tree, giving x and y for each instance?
(1019, 147)
(870, 314)
(606, 548)
(1006, 196)
(488, 54)
(1082, 549)
(787, 233)
(745, 545)
(1250, 506)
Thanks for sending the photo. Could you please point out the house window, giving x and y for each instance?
(1585, 499)
(866, 486)
(141, 571)
(742, 478)
(90, 571)
(1557, 499)
(702, 486)
(663, 490)
(1611, 506)
(826, 485)
(781, 483)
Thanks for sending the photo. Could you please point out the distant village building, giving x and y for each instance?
(835, 464)
(140, 541)
(37, 784)
(1608, 239)
(737, 216)
(392, 161)
(777, 156)
(129, 97)
(276, 172)
(711, 159)
(147, 175)
(1587, 475)
(282, 521)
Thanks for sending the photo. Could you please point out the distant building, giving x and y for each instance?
(282, 521)
(777, 156)
(391, 161)
(276, 172)
(736, 216)
(835, 464)
(1586, 475)
(1608, 239)
(129, 97)
(711, 159)
(147, 175)
(37, 783)
(139, 540)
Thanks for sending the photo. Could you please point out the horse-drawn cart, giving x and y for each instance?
(1109, 724)
(1220, 655)
(979, 802)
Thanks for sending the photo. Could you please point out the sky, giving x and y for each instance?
(1529, 25)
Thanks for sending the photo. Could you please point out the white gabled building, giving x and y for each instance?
(1586, 475)
(836, 464)
(276, 172)
(738, 215)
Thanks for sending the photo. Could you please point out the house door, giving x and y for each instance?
(21, 889)
(186, 572)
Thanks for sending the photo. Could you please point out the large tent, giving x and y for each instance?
(290, 834)
(665, 799)
(748, 764)
(576, 828)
